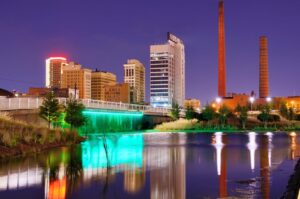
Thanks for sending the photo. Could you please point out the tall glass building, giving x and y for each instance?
(167, 73)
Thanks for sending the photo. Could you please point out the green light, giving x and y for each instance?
(135, 114)
(122, 150)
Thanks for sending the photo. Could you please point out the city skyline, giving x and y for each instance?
(89, 46)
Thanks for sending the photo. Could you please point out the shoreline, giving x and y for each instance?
(26, 149)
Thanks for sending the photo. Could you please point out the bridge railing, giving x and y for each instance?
(35, 103)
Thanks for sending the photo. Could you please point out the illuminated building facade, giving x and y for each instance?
(54, 68)
(78, 78)
(194, 103)
(134, 75)
(167, 73)
(117, 93)
(100, 79)
(222, 58)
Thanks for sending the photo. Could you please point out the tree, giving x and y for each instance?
(74, 115)
(284, 110)
(265, 114)
(175, 111)
(223, 115)
(242, 115)
(208, 113)
(49, 110)
(291, 114)
(190, 113)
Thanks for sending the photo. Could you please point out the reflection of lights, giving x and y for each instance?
(57, 189)
(293, 134)
(219, 146)
(270, 137)
(252, 146)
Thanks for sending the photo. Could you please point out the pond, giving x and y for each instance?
(157, 166)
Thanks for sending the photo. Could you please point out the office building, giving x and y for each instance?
(134, 75)
(76, 77)
(117, 93)
(100, 79)
(167, 73)
(54, 68)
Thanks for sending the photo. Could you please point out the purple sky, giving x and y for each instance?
(105, 33)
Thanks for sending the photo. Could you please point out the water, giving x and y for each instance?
(157, 166)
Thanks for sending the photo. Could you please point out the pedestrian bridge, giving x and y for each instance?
(29, 103)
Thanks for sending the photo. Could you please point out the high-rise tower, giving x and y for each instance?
(167, 73)
(54, 68)
(263, 67)
(222, 60)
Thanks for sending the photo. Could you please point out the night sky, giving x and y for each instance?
(103, 34)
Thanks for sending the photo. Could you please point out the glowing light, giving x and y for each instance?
(251, 99)
(135, 114)
(293, 134)
(218, 100)
(252, 146)
(269, 99)
(219, 146)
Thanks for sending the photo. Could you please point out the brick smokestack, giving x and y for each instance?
(263, 67)
(222, 60)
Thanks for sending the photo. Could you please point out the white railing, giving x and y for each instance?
(35, 103)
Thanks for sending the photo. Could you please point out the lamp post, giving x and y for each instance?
(218, 101)
(251, 99)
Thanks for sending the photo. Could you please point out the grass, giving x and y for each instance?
(200, 126)
(16, 136)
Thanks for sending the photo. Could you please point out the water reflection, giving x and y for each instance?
(159, 165)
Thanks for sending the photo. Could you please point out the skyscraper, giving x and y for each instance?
(167, 73)
(134, 75)
(54, 67)
(222, 58)
(100, 79)
(78, 78)
(263, 67)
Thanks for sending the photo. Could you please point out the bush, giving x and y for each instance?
(271, 118)
(181, 124)
(297, 117)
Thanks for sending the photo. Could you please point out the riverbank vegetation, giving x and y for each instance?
(240, 119)
(18, 137)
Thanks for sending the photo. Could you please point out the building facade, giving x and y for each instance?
(117, 93)
(54, 68)
(58, 92)
(167, 73)
(134, 75)
(78, 78)
(100, 79)
(194, 103)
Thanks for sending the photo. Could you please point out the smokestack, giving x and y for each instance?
(263, 67)
(222, 60)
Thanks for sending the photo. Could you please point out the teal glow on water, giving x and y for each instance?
(125, 150)
(109, 121)
(157, 166)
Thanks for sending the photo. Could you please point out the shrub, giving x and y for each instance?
(271, 118)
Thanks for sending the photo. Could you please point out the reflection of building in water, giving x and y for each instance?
(22, 176)
(265, 162)
(219, 141)
(252, 146)
(167, 176)
(134, 179)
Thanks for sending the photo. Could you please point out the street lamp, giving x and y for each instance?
(218, 100)
(251, 99)
(269, 99)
